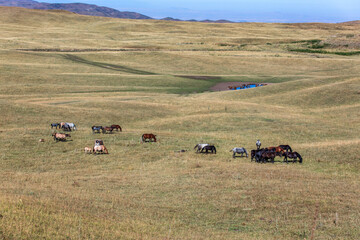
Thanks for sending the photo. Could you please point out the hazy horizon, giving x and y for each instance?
(238, 10)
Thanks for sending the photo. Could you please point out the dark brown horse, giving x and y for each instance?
(148, 137)
(209, 148)
(292, 155)
(266, 155)
(287, 148)
(117, 127)
(107, 130)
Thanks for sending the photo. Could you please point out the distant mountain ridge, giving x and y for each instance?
(92, 10)
(79, 8)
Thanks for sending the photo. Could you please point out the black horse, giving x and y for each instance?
(208, 148)
(287, 148)
(55, 125)
(292, 155)
(96, 129)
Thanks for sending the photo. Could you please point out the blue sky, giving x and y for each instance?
(238, 10)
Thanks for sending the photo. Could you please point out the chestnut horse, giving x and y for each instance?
(117, 127)
(278, 150)
(107, 129)
(148, 136)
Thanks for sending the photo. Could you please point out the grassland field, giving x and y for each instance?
(154, 76)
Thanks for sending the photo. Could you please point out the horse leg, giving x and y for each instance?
(234, 155)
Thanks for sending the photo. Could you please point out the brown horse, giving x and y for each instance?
(278, 150)
(117, 127)
(60, 136)
(107, 129)
(265, 156)
(148, 136)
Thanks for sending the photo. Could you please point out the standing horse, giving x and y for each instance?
(107, 129)
(66, 127)
(96, 129)
(200, 146)
(55, 125)
(148, 136)
(117, 127)
(293, 155)
(258, 144)
(239, 151)
(60, 136)
(208, 148)
(286, 147)
(72, 126)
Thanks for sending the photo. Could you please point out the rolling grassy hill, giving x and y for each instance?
(88, 70)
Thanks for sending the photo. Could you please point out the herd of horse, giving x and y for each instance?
(104, 130)
(259, 155)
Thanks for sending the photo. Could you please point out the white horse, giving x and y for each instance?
(258, 144)
(71, 125)
(239, 151)
(200, 146)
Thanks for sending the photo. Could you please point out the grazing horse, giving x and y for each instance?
(208, 148)
(72, 126)
(68, 126)
(96, 129)
(239, 151)
(293, 155)
(148, 136)
(264, 155)
(286, 147)
(200, 146)
(107, 129)
(60, 136)
(278, 150)
(101, 149)
(117, 127)
(87, 150)
(55, 125)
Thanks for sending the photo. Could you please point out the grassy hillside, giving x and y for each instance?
(144, 75)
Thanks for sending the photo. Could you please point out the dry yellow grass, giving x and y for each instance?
(147, 191)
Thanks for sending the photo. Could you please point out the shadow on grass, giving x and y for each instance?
(106, 65)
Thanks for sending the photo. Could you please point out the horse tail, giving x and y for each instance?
(290, 148)
(299, 156)
(215, 149)
(196, 146)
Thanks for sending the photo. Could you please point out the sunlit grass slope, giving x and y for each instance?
(154, 77)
